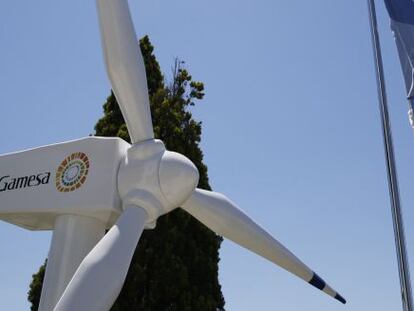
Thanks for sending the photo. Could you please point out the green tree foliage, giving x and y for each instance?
(36, 288)
(175, 266)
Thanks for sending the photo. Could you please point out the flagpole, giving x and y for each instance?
(391, 168)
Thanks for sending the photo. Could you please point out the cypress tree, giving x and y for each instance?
(36, 287)
(175, 266)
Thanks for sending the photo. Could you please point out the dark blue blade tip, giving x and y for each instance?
(340, 298)
(317, 282)
(320, 284)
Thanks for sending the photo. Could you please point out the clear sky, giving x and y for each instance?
(291, 132)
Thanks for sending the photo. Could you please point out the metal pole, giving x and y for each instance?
(391, 168)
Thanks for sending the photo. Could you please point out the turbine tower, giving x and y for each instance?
(81, 188)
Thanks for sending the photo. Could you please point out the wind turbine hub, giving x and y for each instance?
(178, 177)
(155, 179)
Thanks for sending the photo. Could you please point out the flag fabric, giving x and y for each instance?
(402, 24)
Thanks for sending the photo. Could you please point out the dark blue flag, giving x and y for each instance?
(401, 10)
(402, 24)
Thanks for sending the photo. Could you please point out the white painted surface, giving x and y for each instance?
(222, 216)
(101, 275)
(125, 67)
(73, 238)
(36, 207)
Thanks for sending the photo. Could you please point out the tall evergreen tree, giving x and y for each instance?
(175, 266)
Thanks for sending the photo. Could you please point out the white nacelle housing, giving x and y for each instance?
(77, 177)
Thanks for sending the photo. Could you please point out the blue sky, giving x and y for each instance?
(290, 132)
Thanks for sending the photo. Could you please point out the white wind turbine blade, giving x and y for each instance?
(222, 216)
(125, 67)
(99, 279)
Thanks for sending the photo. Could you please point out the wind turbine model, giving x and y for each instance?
(80, 188)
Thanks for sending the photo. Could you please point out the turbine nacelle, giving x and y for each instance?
(155, 179)
(71, 178)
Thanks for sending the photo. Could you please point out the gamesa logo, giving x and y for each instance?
(15, 183)
(72, 172)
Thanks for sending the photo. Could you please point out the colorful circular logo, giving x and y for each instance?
(72, 172)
